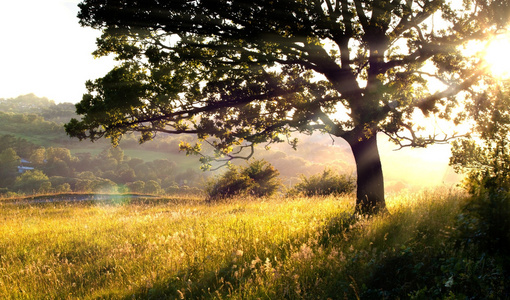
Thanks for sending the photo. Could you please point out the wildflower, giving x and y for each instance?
(254, 263)
(237, 254)
(333, 254)
(304, 253)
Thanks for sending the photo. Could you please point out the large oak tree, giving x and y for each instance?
(238, 73)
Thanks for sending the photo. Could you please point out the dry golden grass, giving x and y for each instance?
(292, 248)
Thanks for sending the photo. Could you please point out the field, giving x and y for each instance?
(298, 248)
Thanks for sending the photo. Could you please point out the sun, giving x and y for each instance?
(497, 56)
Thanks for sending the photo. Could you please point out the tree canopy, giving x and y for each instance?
(238, 73)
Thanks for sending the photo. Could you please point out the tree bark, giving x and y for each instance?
(370, 189)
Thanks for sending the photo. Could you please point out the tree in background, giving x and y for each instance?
(239, 73)
(32, 181)
(9, 162)
(38, 157)
(58, 161)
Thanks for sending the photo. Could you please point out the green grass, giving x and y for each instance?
(300, 248)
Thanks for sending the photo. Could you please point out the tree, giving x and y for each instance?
(152, 187)
(32, 181)
(9, 162)
(38, 157)
(238, 73)
(484, 156)
(137, 186)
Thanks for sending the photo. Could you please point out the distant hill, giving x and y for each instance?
(31, 104)
(40, 121)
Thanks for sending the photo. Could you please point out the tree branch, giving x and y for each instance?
(427, 104)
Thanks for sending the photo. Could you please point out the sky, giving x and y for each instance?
(45, 51)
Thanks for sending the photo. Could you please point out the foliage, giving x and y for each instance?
(264, 176)
(32, 181)
(230, 184)
(485, 159)
(9, 161)
(22, 147)
(259, 178)
(238, 74)
(327, 183)
(28, 133)
(109, 170)
(136, 186)
(485, 221)
(63, 188)
(484, 156)
(152, 187)
(20, 123)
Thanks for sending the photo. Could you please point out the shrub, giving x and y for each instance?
(264, 178)
(326, 183)
(485, 221)
(259, 178)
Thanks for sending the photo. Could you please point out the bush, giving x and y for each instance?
(259, 178)
(264, 178)
(485, 221)
(323, 184)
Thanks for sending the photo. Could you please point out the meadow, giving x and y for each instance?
(275, 248)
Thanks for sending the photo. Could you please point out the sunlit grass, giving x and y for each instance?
(85, 250)
(274, 248)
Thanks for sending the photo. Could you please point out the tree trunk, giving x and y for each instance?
(370, 190)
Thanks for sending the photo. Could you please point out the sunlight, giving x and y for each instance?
(497, 56)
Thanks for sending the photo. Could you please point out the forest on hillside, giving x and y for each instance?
(36, 156)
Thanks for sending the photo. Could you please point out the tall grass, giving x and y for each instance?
(88, 251)
(300, 248)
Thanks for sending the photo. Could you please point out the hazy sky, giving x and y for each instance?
(45, 51)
